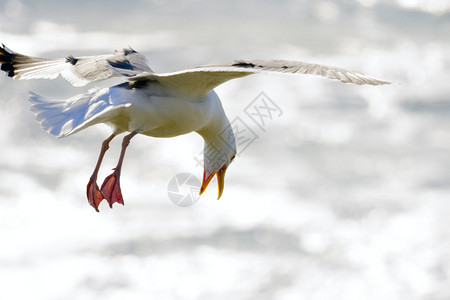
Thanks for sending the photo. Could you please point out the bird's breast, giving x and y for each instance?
(165, 116)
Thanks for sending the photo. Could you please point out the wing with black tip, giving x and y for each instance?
(199, 81)
(79, 71)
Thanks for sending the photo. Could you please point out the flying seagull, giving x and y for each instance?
(153, 104)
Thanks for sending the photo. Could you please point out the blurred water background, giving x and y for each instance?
(343, 196)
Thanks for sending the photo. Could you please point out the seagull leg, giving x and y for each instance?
(111, 186)
(94, 194)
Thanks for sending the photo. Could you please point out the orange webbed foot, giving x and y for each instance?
(94, 194)
(111, 189)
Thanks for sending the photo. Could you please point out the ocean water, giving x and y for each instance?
(342, 194)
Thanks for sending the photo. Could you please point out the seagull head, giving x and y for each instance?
(218, 153)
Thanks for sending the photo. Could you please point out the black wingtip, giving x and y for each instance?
(243, 64)
(72, 60)
(129, 50)
(7, 60)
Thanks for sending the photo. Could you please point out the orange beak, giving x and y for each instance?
(220, 180)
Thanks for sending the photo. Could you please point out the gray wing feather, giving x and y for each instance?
(199, 81)
(79, 71)
(298, 67)
(128, 63)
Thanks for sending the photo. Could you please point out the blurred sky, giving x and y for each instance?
(345, 195)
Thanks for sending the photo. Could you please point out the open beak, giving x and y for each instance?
(220, 180)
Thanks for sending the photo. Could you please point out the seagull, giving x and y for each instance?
(149, 103)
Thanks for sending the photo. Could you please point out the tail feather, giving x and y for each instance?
(57, 117)
(65, 117)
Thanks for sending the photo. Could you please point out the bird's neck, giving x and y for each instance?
(219, 142)
(217, 124)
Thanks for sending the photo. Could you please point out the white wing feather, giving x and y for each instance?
(199, 81)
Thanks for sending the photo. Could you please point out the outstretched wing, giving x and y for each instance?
(79, 71)
(199, 81)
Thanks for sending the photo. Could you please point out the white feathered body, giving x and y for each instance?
(157, 113)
